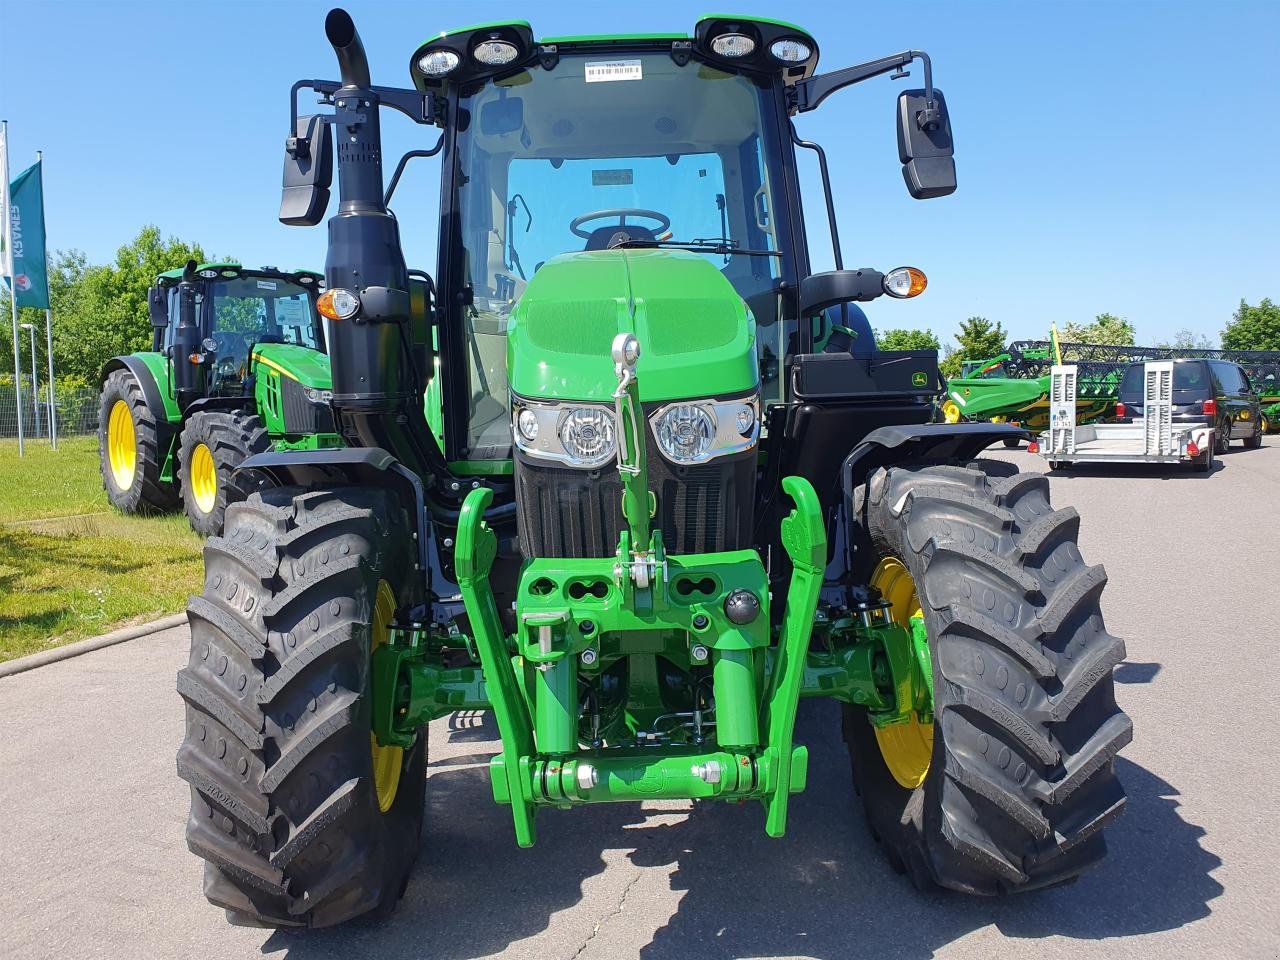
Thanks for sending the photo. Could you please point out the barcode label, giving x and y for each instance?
(600, 71)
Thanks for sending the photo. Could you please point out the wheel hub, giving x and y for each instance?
(122, 445)
(387, 761)
(204, 478)
(907, 748)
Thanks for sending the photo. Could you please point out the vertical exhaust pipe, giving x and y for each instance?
(376, 394)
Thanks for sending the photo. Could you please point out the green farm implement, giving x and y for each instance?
(236, 367)
(658, 495)
(1014, 386)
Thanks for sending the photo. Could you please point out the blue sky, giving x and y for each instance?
(1117, 157)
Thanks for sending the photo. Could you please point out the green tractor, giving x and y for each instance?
(657, 497)
(237, 367)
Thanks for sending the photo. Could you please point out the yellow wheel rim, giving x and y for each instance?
(907, 748)
(951, 412)
(387, 761)
(122, 445)
(204, 478)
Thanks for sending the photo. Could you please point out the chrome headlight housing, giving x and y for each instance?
(695, 431)
(576, 434)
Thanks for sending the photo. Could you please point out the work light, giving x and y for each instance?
(436, 63)
(733, 45)
(495, 53)
(790, 51)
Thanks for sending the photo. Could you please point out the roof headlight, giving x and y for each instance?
(495, 53)
(733, 45)
(790, 51)
(436, 63)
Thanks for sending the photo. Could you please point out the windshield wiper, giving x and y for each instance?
(720, 245)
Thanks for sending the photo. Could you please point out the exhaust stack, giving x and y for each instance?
(377, 393)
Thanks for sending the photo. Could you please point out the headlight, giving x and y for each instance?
(790, 51)
(579, 435)
(495, 53)
(587, 436)
(698, 431)
(685, 432)
(317, 396)
(733, 45)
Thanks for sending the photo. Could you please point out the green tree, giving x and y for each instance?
(978, 339)
(907, 340)
(1106, 328)
(1253, 328)
(1186, 339)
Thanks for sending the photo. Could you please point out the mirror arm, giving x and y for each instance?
(811, 92)
(826, 190)
(404, 162)
(418, 107)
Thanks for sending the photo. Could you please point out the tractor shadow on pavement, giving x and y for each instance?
(823, 891)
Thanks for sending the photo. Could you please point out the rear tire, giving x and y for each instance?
(1222, 440)
(129, 448)
(1255, 441)
(214, 443)
(1026, 728)
(284, 806)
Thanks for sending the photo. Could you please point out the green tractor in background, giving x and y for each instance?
(662, 490)
(237, 367)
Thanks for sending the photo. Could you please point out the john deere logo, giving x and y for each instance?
(919, 379)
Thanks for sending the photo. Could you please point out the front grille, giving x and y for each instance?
(301, 415)
(564, 512)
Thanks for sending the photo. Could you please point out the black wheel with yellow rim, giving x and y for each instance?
(129, 448)
(951, 411)
(214, 443)
(303, 819)
(1011, 784)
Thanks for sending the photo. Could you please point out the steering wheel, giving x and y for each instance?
(575, 225)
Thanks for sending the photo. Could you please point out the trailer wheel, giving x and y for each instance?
(1011, 784)
(129, 448)
(1204, 463)
(214, 443)
(302, 819)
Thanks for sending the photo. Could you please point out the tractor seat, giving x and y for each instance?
(601, 237)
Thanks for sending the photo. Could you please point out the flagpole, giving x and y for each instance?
(48, 311)
(13, 284)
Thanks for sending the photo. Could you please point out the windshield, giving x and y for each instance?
(249, 310)
(1190, 375)
(549, 162)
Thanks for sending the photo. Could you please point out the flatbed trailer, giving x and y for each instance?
(1153, 439)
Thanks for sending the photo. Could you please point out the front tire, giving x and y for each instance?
(292, 806)
(1020, 777)
(214, 443)
(129, 448)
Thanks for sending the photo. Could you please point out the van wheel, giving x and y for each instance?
(1222, 440)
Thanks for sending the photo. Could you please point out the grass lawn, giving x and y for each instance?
(72, 567)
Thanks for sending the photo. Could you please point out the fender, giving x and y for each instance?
(886, 446)
(166, 427)
(218, 403)
(353, 466)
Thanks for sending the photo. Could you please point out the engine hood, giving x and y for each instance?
(309, 367)
(696, 334)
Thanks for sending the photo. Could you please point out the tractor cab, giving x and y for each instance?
(235, 311)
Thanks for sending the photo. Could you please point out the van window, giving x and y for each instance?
(1192, 376)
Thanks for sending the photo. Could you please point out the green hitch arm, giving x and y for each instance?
(477, 546)
(804, 537)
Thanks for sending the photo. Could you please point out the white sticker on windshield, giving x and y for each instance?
(599, 71)
(266, 284)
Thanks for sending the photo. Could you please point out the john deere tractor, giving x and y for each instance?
(660, 495)
(236, 367)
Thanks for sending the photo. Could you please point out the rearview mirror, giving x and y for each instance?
(925, 145)
(505, 115)
(158, 306)
(308, 172)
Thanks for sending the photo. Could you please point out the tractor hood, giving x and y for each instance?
(309, 367)
(697, 337)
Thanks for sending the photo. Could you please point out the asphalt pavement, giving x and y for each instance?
(93, 861)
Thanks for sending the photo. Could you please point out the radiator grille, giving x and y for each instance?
(578, 513)
(300, 414)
